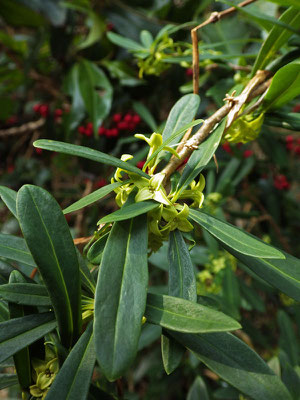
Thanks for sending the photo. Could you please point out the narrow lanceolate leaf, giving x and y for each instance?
(74, 378)
(125, 42)
(121, 296)
(182, 283)
(127, 212)
(276, 38)
(201, 157)
(86, 277)
(15, 248)
(185, 316)
(285, 86)
(22, 357)
(288, 340)
(86, 152)
(92, 197)
(198, 390)
(282, 274)
(29, 294)
(234, 237)
(95, 252)
(48, 237)
(7, 380)
(236, 363)
(9, 197)
(18, 333)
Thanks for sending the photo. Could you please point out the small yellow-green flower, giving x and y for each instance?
(44, 374)
(244, 129)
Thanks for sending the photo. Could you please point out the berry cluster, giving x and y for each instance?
(44, 111)
(229, 149)
(292, 144)
(119, 122)
(280, 182)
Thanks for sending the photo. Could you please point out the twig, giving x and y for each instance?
(25, 128)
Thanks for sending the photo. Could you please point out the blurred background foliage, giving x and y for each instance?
(96, 72)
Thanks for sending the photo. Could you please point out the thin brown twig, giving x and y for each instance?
(25, 128)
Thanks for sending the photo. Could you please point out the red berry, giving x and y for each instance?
(289, 138)
(140, 164)
(136, 119)
(117, 117)
(12, 120)
(247, 153)
(289, 146)
(101, 131)
(81, 130)
(89, 125)
(88, 131)
(100, 183)
(131, 126)
(58, 112)
(226, 146)
(44, 110)
(122, 125)
(296, 108)
(280, 182)
(298, 141)
(297, 150)
(114, 132)
(189, 72)
(36, 108)
(38, 151)
(128, 118)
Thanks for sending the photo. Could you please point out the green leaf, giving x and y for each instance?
(127, 212)
(150, 333)
(96, 92)
(231, 294)
(29, 294)
(121, 296)
(186, 316)
(15, 248)
(146, 38)
(181, 114)
(128, 44)
(276, 38)
(282, 274)
(74, 378)
(288, 340)
(92, 197)
(18, 333)
(145, 114)
(234, 237)
(86, 152)
(49, 239)
(236, 363)
(201, 157)
(7, 380)
(86, 277)
(171, 352)
(198, 390)
(285, 86)
(9, 197)
(95, 252)
(287, 3)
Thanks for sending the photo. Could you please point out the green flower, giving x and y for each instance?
(244, 129)
(44, 374)
(152, 190)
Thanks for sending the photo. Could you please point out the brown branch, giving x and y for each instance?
(25, 128)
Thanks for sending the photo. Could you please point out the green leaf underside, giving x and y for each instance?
(25, 293)
(86, 152)
(121, 296)
(282, 274)
(15, 248)
(48, 236)
(234, 237)
(185, 316)
(127, 212)
(73, 379)
(7, 380)
(95, 252)
(236, 363)
(198, 390)
(92, 197)
(171, 352)
(21, 332)
(9, 197)
(201, 157)
(276, 38)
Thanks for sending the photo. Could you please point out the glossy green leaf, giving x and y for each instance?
(236, 363)
(74, 378)
(231, 300)
(282, 274)
(125, 42)
(121, 296)
(288, 340)
(92, 197)
(29, 294)
(201, 157)
(95, 252)
(7, 380)
(234, 237)
(287, 3)
(86, 277)
(96, 92)
(18, 333)
(127, 212)
(285, 86)
(22, 357)
(186, 316)
(171, 352)
(88, 153)
(48, 236)
(198, 390)
(4, 313)
(277, 37)
(9, 197)
(15, 248)
(145, 114)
